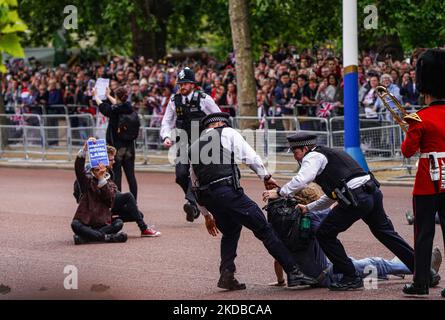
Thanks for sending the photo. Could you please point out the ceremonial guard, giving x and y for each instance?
(426, 134)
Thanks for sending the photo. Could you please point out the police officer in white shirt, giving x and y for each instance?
(357, 195)
(185, 110)
(215, 177)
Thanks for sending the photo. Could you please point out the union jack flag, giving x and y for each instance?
(325, 109)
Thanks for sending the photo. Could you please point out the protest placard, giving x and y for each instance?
(98, 153)
(101, 87)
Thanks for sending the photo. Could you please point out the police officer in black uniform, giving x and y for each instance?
(357, 195)
(184, 111)
(215, 177)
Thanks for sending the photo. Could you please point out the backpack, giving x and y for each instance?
(128, 126)
(285, 219)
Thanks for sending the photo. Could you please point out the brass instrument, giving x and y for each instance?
(382, 93)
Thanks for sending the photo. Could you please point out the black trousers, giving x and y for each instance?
(125, 159)
(370, 210)
(425, 208)
(96, 234)
(126, 209)
(233, 210)
(182, 171)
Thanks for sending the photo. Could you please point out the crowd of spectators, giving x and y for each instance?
(290, 82)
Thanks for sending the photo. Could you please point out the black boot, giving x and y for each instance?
(114, 238)
(414, 288)
(298, 278)
(434, 279)
(191, 210)
(347, 283)
(79, 240)
(227, 281)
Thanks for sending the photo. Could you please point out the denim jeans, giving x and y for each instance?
(384, 268)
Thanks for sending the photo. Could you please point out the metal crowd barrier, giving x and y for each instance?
(61, 134)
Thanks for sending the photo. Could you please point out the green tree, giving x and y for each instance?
(150, 27)
(11, 26)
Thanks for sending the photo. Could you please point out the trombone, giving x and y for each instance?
(382, 93)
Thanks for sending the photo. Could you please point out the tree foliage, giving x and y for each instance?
(10, 28)
(187, 23)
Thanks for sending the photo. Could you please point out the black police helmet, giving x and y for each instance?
(186, 75)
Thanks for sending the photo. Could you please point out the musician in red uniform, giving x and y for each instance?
(426, 134)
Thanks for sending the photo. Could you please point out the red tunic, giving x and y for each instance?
(428, 136)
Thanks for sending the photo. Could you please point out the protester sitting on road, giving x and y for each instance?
(314, 262)
(92, 221)
(124, 206)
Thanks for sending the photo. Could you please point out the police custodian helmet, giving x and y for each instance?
(430, 70)
(186, 75)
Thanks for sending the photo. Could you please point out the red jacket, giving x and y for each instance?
(428, 135)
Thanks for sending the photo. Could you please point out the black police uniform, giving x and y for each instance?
(188, 113)
(220, 193)
(364, 202)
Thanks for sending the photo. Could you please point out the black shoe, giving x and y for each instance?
(417, 289)
(298, 278)
(79, 240)
(347, 283)
(443, 293)
(228, 281)
(192, 211)
(434, 279)
(114, 238)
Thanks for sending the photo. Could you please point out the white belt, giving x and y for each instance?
(438, 154)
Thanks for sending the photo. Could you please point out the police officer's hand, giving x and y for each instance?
(270, 184)
(167, 143)
(211, 225)
(303, 208)
(270, 195)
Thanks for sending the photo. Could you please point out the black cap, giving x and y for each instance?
(215, 117)
(301, 139)
(430, 70)
(186, 75)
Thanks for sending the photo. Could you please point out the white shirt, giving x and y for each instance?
(233, 141)
(311, 166)
(169, 121)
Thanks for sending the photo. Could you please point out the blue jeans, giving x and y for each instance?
(384, 267)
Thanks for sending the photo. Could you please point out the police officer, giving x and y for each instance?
(427, 133)
(215, 177)
(184, 111)
(358, 196)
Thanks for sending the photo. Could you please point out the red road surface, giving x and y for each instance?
(36, 244)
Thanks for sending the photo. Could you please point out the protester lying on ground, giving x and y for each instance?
(92, 221)
(314, 262)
